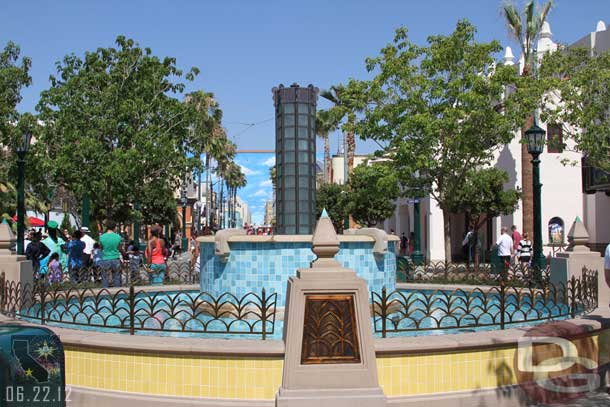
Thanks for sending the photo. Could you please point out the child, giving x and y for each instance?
(55, 272)
(135, 260)
(97, 254)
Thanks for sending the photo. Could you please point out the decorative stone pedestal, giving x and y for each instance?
(578, 255)
(15, 268)
(330, 356)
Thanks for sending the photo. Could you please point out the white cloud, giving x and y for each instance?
(247, 171)
(269, 162)
(261, 192)
(266, 183)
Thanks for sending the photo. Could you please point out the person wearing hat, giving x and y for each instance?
(89, 242)
(55, 244)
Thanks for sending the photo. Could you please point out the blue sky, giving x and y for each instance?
(244, 48)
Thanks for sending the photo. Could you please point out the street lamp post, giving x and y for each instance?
(535, 137)
(417, 256)
(22, 150)
(184, 201)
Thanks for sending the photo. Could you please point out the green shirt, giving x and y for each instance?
(110, 242)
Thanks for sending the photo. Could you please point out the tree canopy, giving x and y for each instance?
(372, 192)
(442, 109)
(115, 129)
(334, 198)
(578, 99)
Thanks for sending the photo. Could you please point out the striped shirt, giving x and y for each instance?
(525, 248)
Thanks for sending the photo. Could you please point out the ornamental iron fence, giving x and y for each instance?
(130, 310)
(130, 274)
(485, 274)
(510, 302)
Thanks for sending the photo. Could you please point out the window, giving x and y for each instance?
(556, 231)
(554, 138)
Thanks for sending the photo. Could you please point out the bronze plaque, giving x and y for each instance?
(330, 332)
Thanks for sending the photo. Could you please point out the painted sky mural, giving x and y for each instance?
(259, 189)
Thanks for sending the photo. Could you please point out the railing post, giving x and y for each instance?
(572, 294)
(2, 292)
(502, 301)
(384, 313)
(264, 312)
(43, 300)
(132, 310)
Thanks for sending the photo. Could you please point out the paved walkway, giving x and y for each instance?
(592, 400)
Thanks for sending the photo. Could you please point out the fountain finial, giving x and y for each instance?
(325, 243)
(7, 238)
(578, 237)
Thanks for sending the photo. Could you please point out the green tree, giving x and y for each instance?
(372, 192)
(525, 29)
(334, 198)
(578, 99)
(14, 76)
(482, 196)
(115, 110)
(437, 107)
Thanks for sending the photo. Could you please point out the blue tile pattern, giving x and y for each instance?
(252, 266)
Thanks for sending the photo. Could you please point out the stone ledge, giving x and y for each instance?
(162, 344)
(85, 396)
(291, 238)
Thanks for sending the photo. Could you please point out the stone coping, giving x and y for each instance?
(290, 238)
(597, 320)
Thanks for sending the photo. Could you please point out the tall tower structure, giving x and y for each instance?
(295, 158)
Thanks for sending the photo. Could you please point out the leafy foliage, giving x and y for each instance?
(578, 98)
(373, 190)
(438, 107)
(334, 198)
(482, 196)
(114, 130)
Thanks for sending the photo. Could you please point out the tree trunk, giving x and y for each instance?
(327, 161)
(527, 198)
(447, 233)
(351, 149)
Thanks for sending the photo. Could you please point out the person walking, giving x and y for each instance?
(524, 251)
(155, 257)
(505, 247)
(75, 256)
(516, 236)
(89, 242)
(55, 244)
(35, 252)
(111, 258)
(403, 244)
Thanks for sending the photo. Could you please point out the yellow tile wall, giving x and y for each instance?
(163, 374)
(402, 375)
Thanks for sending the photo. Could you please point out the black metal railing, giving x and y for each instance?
(94, 276)
(134, 310)
(507, 303)
(462, 273)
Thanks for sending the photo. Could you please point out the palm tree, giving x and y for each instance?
(343, 107)
(525, 28)
(326, 124)
(210, 136)
(234, 179)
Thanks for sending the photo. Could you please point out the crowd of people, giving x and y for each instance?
(59, 255)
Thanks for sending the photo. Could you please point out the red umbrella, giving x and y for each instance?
(34, 221)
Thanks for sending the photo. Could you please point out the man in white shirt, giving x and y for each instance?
(505, 246)
(89, 242)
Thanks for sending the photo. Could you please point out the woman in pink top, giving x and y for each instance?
(155, 257)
